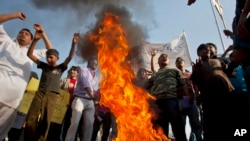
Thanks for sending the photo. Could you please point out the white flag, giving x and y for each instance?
(218, 7)
(175, 48)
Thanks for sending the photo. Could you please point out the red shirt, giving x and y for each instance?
(72, 83)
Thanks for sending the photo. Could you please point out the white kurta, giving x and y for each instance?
(15, 69)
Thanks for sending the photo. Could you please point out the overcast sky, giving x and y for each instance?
(160, 20)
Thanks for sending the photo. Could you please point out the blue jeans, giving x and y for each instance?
(170, 113)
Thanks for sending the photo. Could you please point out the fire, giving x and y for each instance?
(128, 103)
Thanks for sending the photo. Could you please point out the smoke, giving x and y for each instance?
(135, 32)
(136, 17)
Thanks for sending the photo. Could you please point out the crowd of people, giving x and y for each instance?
(83, 112)
(214, 95)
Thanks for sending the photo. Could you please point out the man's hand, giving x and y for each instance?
(230, 48)
(153, 52)
(227, 32)
(190, 2)
(38, 35)
(21, 15)
(38, 27)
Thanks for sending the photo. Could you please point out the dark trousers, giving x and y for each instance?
(54, 133)
(39, 116)
(105, 120)
(193, 114)
(66, 122)
(15, 134)
(170, 112)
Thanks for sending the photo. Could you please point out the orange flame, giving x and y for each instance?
(127, 102)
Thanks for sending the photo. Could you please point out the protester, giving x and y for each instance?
(15, 69)
(188, 109)
(69, 84)
(163, 85)
(216, 93)
(241, 31)
(83, 103)
(242, 40)
(16, 133)
(44, 102)
(57, 132)
(213, 51)
(241, 44)
(141, 79)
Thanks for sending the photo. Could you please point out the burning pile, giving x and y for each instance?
(128, 103)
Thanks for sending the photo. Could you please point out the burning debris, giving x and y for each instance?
(127, 102)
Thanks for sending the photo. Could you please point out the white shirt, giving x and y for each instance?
(15, 69)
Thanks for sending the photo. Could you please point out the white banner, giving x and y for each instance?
(176, 48)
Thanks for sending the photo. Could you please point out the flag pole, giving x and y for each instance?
(223, 22)
(216, 21)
